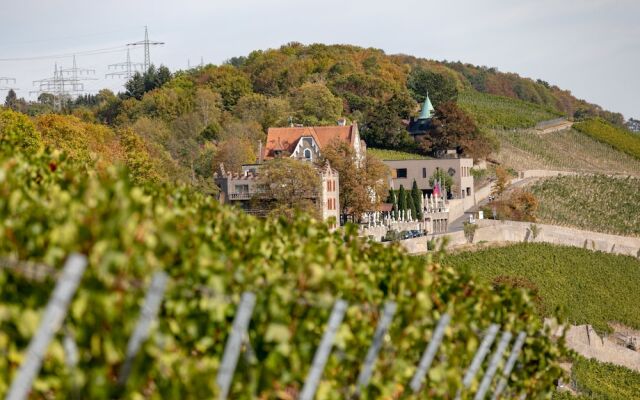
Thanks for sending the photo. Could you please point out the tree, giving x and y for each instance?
(384, 128)
(152, 78)
(289, 187)
(11, 100)
(402, 201)
(469, 231)
(453, 128)
(440, 86)
(411, 206)
(17, 132)
(233, 153)
(442, 176)
(314, 104)
(137, 159)
(267, 111)
(416, 195)
(502, 181)
(394, 202)
(362, 184)
(230, 82)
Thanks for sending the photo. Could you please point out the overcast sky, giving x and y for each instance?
(591, 47)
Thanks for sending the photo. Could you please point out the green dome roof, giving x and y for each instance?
(427, 109)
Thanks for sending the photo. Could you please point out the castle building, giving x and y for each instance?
(301, 143)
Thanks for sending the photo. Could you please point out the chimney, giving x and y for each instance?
(342, 121)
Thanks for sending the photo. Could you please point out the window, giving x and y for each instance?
(242, 188)
(401, 173)
(468, 191)
(424, 172)
(307, 154)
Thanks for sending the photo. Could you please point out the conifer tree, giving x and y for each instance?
(411, 205)
(394, 203)
(416, 195)
(402, 200)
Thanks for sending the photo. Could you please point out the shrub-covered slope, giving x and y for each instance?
(51, 205)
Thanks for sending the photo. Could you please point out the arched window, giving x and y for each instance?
(307, 154)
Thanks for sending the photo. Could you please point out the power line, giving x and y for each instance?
(107, 50)
(147, 44)
(124, 69)
(65, 83)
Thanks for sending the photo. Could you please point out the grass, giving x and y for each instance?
(492, 111)
(597, 203)
(585, 287)
(568, 150)
(385, 154)
(618, 138)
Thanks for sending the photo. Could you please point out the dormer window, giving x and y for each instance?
(307, 154)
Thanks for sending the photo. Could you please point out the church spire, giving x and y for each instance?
(427, 109)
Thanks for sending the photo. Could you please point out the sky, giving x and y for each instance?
(590, 47)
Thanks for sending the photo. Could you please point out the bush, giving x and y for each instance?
(49, 207)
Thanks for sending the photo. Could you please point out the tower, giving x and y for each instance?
(124, 69)
(147, 44)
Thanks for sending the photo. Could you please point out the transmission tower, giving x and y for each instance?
(147, 44)
(124, 69)
(64, 84)
(7, 81)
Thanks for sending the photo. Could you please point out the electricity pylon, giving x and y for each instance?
(147, 44)
(6, 80)
(125, 69)
(65, 83)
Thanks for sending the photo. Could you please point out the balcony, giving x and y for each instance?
(240, 196)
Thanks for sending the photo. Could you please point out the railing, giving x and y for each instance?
(68, 282)
(240, 196)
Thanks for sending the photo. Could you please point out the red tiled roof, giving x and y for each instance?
(286, 139)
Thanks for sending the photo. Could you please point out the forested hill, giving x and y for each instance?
(190, 120)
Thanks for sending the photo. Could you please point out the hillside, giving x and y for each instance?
(190, 120)
(585, 287)
(504, 112)
(597, 203)
(132, 226)
(567, 150)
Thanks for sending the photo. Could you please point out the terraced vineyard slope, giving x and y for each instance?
(504, 112)
(586, 287)
(596, 380)
(385, 154)
(597, 203)
(568, 150)
(617, 138)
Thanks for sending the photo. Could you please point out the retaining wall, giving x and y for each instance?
(512, 231)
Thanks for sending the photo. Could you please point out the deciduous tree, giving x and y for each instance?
(363, 184)
(289, 187)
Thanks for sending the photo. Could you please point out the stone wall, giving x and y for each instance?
(378, 232)
(512, 231)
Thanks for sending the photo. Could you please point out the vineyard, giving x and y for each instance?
(585, 287)
(384, 154)
(596, 380)
(502, 112)
(51, 206)
(567, 150)
(597, 203)
(618, 138)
